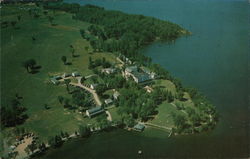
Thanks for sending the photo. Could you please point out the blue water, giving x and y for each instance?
(214, 59)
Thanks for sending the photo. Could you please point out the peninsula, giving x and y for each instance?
(70, 70)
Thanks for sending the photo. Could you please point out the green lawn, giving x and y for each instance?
(51, 43)
(168, 85)
(114, 114)
(164, 117)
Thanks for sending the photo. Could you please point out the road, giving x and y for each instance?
(95, 95)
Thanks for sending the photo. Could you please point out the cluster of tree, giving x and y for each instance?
(81, 100)
(35, 146)
(58, 5)
(102, 122)
(181, 123)
(160, 95)
(5, 24)
(113, 81)
(55, 141)
(13, 114)
(99, 62)
(197, 120)
(135, 102)
(202, 103)
(84, 131)
(115, 31)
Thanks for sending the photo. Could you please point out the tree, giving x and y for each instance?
(51, 141)
(58, 141)
(72, 52)
(50, 18)
(13, 23)
(27, 150)
(64, 59)
(12, 114)
(66, 103)
(83, 79)
(26, 65)
(29, 65)
(87, 48)
(46, 106)
(32, 63)
(42, 147)
(90, 63)
(60, 99)
(84, 131)
(33, 38)
(19, 17)
(67, 82)
(32, 147)
(45, 12)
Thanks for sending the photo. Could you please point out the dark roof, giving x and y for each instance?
(142, 77)
(96, 110)
(76, 73)
(58, 77)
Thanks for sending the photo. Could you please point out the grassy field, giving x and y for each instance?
(166, 84)
(52, 42)
(114, 114)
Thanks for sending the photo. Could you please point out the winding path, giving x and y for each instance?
(95, 95)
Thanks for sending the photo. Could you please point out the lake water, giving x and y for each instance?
(214, 60)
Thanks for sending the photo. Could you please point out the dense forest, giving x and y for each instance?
(114, 31)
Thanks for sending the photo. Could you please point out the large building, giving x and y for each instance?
(94, 111)
(137, 74)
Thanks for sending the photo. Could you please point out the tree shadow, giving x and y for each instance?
(37, 67)
(76, 55)
(68, 63)
(34, 71)
(54, 24)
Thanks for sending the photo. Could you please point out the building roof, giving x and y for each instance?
(57, 77)
(76, 73)
(139, 127)
(96, 110)
(108, 70)
(146, 70)
(142, 77)
(94, 85)
(53, 80)
(131, 69)
(108, 101)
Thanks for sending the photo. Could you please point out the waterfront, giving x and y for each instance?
(214, 60)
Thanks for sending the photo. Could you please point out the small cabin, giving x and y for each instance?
(93, 86)
(108, 101)
(75, 74)
(54, 81)
(94, 111)
(58, 77)
(116, 95)
(139, 127)
(108, 70)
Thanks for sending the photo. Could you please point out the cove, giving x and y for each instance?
(214, 59)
